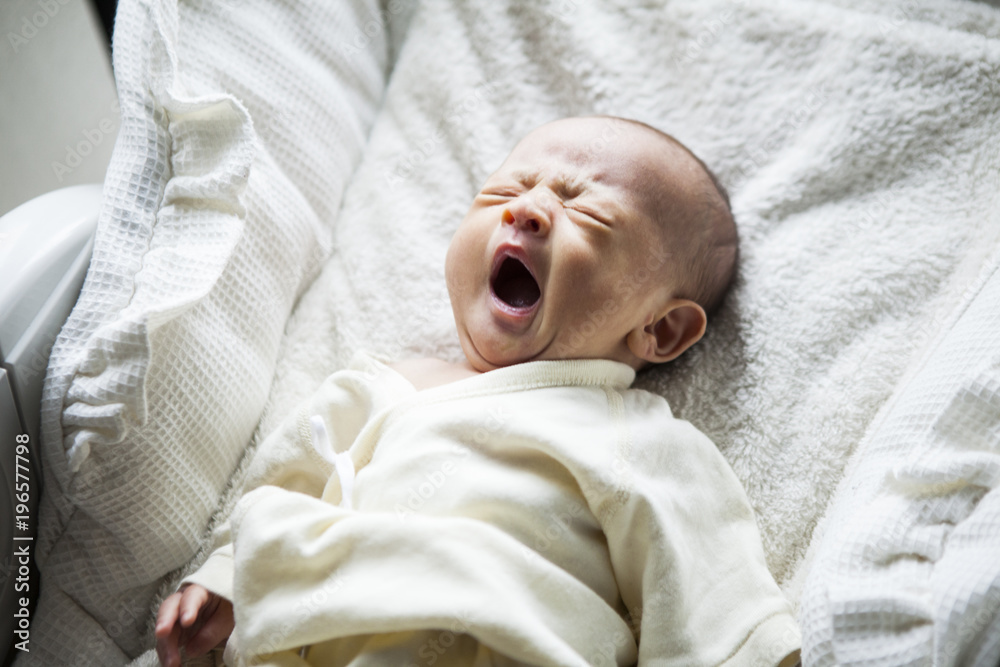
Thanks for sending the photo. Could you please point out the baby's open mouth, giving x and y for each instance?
(514, 284)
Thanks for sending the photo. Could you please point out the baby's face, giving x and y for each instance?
(559, 256)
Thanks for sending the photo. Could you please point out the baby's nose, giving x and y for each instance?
(526, 215)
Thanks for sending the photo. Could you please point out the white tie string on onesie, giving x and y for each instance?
(342, 462)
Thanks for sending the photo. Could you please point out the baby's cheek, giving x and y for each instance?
(463, 263)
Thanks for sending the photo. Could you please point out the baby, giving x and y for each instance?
(523, 507)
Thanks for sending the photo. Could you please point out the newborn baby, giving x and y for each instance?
(523, 507)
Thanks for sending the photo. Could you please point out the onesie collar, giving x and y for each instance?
(559, 373)
(518, 377)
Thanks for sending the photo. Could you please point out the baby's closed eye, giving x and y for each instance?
(584, 212)
(497, 194)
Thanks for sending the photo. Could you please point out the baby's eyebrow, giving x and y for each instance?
(569, 186)
(564, 184)
(525, 177)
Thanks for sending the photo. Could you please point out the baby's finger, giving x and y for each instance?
(194, 598)
(167, 616)
(216, 630)
(168, 646)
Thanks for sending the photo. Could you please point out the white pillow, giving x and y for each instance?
(241, 124)
(908, 570)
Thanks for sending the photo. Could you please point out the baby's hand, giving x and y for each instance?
(194, 618)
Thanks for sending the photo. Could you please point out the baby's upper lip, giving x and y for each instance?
(505, 250)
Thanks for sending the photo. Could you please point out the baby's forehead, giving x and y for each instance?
(586, 151)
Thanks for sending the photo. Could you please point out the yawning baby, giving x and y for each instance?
(526, 506)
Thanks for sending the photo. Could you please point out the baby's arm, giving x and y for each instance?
(194, 618)
(199, 615)
(687, 554)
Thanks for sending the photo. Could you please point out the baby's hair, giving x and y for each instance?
(710, 242)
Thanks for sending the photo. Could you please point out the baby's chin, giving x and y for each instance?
(486, 358)
(484, 355)
(556, 351)
(484, 361)
(488, 348)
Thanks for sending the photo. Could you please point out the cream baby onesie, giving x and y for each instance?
(540, 514)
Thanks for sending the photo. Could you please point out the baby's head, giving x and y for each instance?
(597, 238)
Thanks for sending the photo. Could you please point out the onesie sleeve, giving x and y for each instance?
(288, 459)
(685, 547)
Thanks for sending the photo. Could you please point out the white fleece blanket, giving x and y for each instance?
(857, 139)
(860, 148)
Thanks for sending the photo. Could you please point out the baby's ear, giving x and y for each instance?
(679, 325)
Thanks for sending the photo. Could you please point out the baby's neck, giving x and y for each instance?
(428, 372)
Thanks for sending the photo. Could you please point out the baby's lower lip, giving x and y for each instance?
(512, 318)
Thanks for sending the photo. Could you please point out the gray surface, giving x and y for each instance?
(58, 106)
(45, 248)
